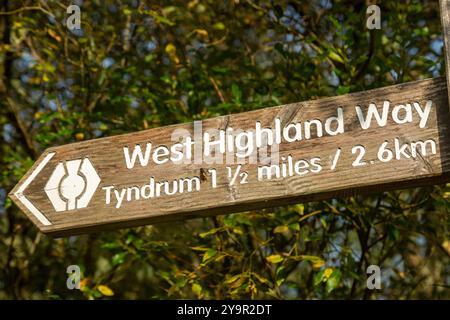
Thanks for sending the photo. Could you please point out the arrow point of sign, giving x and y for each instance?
(22, 186)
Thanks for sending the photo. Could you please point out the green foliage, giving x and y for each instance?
(142, 64)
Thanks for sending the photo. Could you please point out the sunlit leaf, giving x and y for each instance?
(105, 290)
(276, 258)
(281, 229)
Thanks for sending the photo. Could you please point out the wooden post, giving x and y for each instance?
(445, 19)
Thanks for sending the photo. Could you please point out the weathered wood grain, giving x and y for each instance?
(445, 20)
(106, 155)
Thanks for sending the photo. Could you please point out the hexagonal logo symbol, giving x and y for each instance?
(72, 185)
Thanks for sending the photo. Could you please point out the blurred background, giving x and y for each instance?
(135, 65)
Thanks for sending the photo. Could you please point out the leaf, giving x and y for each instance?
(220, 70)
(335, 57)
(168, 10)
(159, 18)
(79, 136)
(171, 50)
(316, 261)
(199, 248)
(281, 275)
(327, 273)
(281, 229)
(343, 90)
(209, 232)
(126, 11)
(240, 281)
(318, 264)
(300, 209)
(209, 254)
(334, 280)
(276, 258)
(237, 231)
(84, 284)
(105, 290)
(197, 289)
(201, 32)
(261, 279)
(236, 91)
(318, 278)
(181, 283)
(233, 279)
(330, 276)
(54, 35)
(118, 258)
(446, 246)
(219, 26)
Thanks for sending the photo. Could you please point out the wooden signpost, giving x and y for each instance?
(375, 140)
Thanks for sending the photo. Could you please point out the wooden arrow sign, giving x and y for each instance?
(386, 138)
(375, 140)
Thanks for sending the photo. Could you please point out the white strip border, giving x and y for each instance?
(21, 197)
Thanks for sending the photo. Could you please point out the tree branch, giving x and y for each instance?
(5, 87)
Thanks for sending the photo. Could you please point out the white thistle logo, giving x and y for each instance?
(72, 185)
